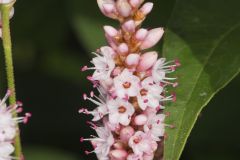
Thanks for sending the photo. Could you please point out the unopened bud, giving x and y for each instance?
(141, 34)
(123, 49)
(126, 133)
(147, 60)
(110, 31)
(132, 59)
(129, 26)
(146, 8)
(152, 38)
(140, 119)
(124, 8)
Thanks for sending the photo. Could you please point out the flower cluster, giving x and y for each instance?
(129, 119)
(8, 126)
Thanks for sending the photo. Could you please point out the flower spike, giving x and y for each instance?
(129, 119)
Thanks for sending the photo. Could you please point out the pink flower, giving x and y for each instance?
(155, 125)
(8, 126)
(161, 69)
(132, 85)
(142, 143)
(120, 111)
(104, 65)
(150, 94)
(100, 111)
(102, 143)
(126, 84)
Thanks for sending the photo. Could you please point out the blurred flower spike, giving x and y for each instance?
(132, 82)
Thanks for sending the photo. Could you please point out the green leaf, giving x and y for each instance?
(204, 35)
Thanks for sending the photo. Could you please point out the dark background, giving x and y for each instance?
(49, 50)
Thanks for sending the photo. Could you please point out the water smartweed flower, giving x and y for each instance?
(132, 83)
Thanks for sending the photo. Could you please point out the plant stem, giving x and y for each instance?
(7, 46)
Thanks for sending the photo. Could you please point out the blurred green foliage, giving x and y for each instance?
(50, 48)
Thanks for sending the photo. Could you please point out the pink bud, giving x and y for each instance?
(118, 154)
(111, 41)
(123, 49)
(118, 145)
(107, 7)
(132, 59)
(126, 133)
(146, 8)
(141, 34)
(147, 60)
(110, 31)
(135, 3)
(140, 119)
(152, 38)
(129, 26)
(124, 8)
(108, 50)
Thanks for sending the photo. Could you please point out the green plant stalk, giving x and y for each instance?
(7, 46)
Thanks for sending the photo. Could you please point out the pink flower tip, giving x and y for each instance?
(177, 63)
(110, 31)
(85, 96)
(147, 8)
(81, 139)
(152, 38)
(147, 60)
(19, 103)
(84, 68)
(91, 93)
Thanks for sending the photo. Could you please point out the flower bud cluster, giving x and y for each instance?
(129, 119)
(8, 126)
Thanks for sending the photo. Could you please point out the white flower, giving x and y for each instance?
(142, 143)
(6, 149)
(149, 94)
(120, 111)
(100, 111)
(7, 133)
(155, 125)
(102, 143)
(126, 84)
(161, 68)
(8, 123)
(103, 65)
